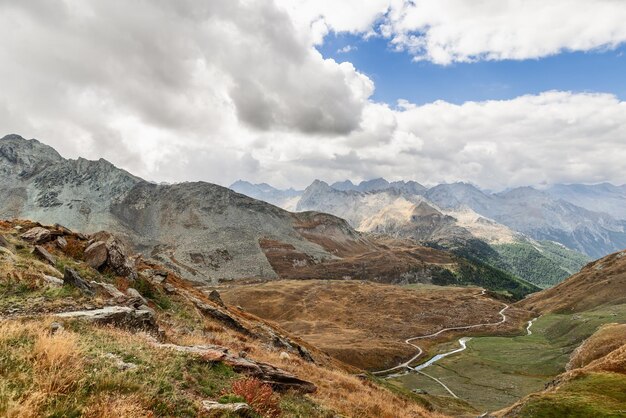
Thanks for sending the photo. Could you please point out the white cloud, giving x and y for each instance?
(176, 91)
(447, 31)
(120, 80)
(346, 49)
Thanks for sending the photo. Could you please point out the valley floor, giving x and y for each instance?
(497, 371)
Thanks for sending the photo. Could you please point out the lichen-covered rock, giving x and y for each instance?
(110, 290)
(121, 316)
(238, 409)
(51, 280)
(37, 235)
(61, 242)
(118, 260)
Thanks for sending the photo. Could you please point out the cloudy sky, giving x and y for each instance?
(499, 93)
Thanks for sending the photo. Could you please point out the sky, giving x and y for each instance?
(499, 93)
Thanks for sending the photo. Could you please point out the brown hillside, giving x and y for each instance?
(602, 282)
(365, 324)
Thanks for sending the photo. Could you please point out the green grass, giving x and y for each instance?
(544, 264)
(496, 371)
(592, 395)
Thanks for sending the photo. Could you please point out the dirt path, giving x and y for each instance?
(406, 366)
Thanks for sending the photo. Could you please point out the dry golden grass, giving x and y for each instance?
(606, 339)
(123, 406)
(602, 282)
(55, 363)
(365, 324)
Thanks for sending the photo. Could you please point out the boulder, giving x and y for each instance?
(43, 254)
(239, 409)
(134, 294)
(7, 253)
(52, 280)
(61, 242)
(221, 316)
(169, 288)
(55, 327)
(280, 380)
(214, 296)
(284, 355)
(121, 316)
(63, 230)
(118, 260)
(96, 254)
(4, 242)
(72, 278)
(36, 235)
(110, 290)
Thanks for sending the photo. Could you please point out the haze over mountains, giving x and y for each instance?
(558, 229)
(586, 218)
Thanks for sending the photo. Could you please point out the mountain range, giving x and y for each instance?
(208, 233)
(590, 219)
(558, 229)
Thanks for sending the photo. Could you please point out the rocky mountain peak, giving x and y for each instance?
(23, 158)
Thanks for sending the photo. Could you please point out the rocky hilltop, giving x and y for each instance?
(203, 231)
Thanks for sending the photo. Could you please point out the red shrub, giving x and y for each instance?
(258, 395)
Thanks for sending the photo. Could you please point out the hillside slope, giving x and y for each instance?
(81, 341)
(602, 282)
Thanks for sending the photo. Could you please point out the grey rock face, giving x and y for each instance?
(202, 231)
(72, 278)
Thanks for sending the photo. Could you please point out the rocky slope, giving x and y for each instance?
(98, 342)
(603, 197)
(203, 231)
(538, 215)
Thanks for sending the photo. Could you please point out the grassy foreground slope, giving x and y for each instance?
(169, 350)
(593, 386)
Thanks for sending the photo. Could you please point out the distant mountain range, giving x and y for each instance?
(208, 233)
(557, 230)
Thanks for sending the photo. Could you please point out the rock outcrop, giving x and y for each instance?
(72, 278)
(279, 379)
(121, 316)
